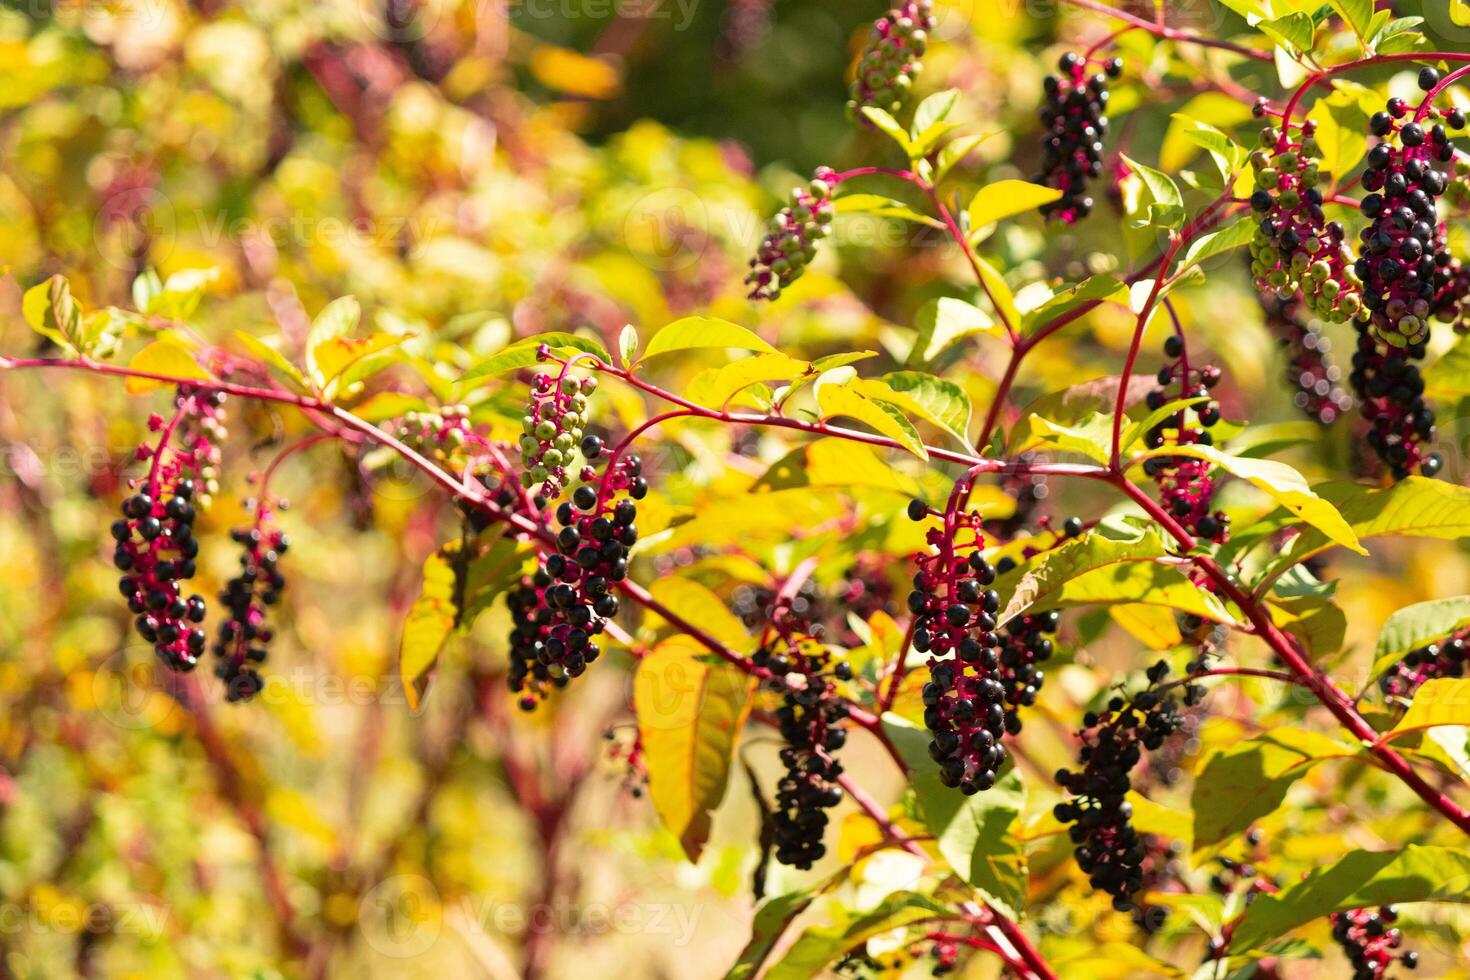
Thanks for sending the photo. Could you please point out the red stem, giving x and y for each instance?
(1159, 30)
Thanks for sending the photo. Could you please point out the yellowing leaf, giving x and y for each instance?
(693, 332)
(717, 386)
(168, 358)
(1153, 626)
(700, 607)
(337, 319)
(430, 621)
(338, 354)
(835, 399)
(1442, 701)
(1005, 198)
(274, 358)
(690, 713)
(567, 71)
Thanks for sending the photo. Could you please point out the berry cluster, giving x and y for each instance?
(810, 718)
(1075, 121)
(954, 622)
(1404, 265)
(1109, 849)
(552, 429)
(1430, 662)
(628, 752)
(1317, 395)
(1390, 389)
(1368, 939)
(792, 236)
(1186, 485)
(890, 60)
(243, 638)
(559, 609)
(1162, 871)
(1296, 250)
(1026, 645)
(757, 605)
(156, 548)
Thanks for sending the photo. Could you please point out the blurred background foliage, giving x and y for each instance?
(476, 172)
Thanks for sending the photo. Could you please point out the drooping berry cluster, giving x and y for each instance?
(559, 609)
(954, 622)
(1075, 121)
(1390, 389)
(1368, 939)
(792, 236)
(1108, 848)
(1309, 370)
(1296, 250)
(891, 59)
(811, 719)
(1429, 662)
(244, 638)
(1025, 646)
(1186, 485)
(156, 548)
(1403, 263)
(1162, 872)
(552, 428)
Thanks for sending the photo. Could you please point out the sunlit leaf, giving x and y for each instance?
(168, 358)
(837, 400)
(694, 332)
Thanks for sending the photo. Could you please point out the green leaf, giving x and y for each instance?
(1415, 626)
(1415, 873)
(935, 400)
(835, 399)
(1247, 780)
(339, 318)
(690, 713)
(771, 920)
(944, 322)
(431, 619)
(696, 604)
(522, 354)
(1000, 294)
(1416, 507)
(1282, 483)
(146, 287)
(1091, 436)
(386, 405)
(336, 355)
(1449, 377)
(716, 386)
(694, 332)
(889, 126)
(819, 946)
(1295, 29)
(273, 358)
(1401, 35)
(1167, 209)
(495, 568)
(881, 206)
(1093, 290)
(934, 109)
(979, 835)
(1140, 582)
(954, 151)
(52, 312)
(1216, 243)
(1004, 199)
(1318, 623)
(1137, 430)
(1357, 14)
(627, 344)
(166, 357)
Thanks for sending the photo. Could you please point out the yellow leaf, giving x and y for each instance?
(563, 70)
(168, 358)
(700, 607)
(430, 621)
(716, 386)
(836, 399)
(690, 713)
(1005, 198)
(337, 354)
(1152, 626)
(1443, 701)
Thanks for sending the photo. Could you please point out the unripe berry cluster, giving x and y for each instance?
(1314, 378)
(792, 236)
(559, 609)
(552, 429)
(1434, 660)
(954, 622)
(1403, 263)
(1390, 389)
(1186, 485)
(811, 720)
(1108, 848)
(1075, 121)
(1295, 248)
(1369, 940)
(243, 639)
(155, 544)
(890, 60)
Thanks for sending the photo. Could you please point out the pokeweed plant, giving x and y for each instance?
(567, 473)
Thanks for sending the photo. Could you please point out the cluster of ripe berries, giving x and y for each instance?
(243, 638)
(954, 622)
(1026, 644)
(792, 236)
(1368, 939)
(1390, 389)
(155, 544)
(1404, 265)
(1315, 379)
(891, 59)
(559, 609)
(1108, 848)
(810, 718)
(1295, 249)
(1074, 121)
(1186, 485)
(552, 429)
(1435, 660)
